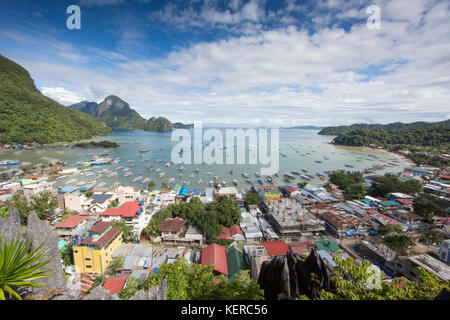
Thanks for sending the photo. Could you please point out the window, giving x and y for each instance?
(88, 266)
(75, 251)
(87, 259)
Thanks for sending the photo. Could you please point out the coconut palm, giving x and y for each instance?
(19, 267)
(151, 186)
(4, 212)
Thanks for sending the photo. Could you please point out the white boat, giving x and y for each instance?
(127, 174)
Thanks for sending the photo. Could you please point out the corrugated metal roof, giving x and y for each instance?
(215, 254)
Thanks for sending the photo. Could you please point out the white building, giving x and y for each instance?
(36, 188)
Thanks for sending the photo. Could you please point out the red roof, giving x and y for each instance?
(290, 190)
(36, 176)
(445, 176)
(404, 201)
(300, 247)
(127, 210)
(114, 284)
(71, 222)
(228, 233)
(215, 254)
(276, 248)
(100, 226)
(172, 225)
(104, 239)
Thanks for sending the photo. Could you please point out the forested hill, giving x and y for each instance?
(26, 115)
(334, 131)
(434, 135)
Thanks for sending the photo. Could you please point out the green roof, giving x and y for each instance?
(327, 245)
(390, 203)
(236, 261)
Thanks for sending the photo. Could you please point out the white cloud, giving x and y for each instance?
(284, 76)
(62, 95)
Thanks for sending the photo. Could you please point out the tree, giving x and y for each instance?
(398, 242)
(19, 267)
(328, 186)
(151, 186)
(251, 198)
(351, 284)
(127, 231)
(67, 254)
(355, 191)
(4, 211)
(391, 228)
(42, 203)
(197, 282)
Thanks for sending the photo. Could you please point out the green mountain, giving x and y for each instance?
(334, 131)
(114, 112)
(117, 114)
(158, 124)
(26, 115)
(417, 134)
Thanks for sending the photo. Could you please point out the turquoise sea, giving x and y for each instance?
(300, 149)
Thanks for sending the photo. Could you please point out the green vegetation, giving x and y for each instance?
(429, 206)
(350, 183)
(396, 126)
(209, 218)
(67, 254)
(432, 236)
(391, 229)
(4, 211)
(197, 282)
(127, 231)
(28, 116)
(113, 111)
(42, 203)
(115, 264)
(179, 125)
(251, 198)
(382, 186)
(399, 242)
(158, 124)
(19, 267)
(351, 284)
(96, 144)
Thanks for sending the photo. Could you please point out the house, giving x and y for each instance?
(127, 194)
(389, 204)
(76, 201)
(216, 255)
(327, 244)
(268, 193)
(300, 247)
(379, 220)
(444, 254)
(276, 248)
(235, 261)
(405, 217)
(256, 255)
(230, 192)
(407, 266)
(250, 227)
(34, 189)
(115, 284)
(99, 202)
(70, 226)
(231, 233)
(171, 227)
(132, 213)
(344, 224)
(194, 235)
(92, 253)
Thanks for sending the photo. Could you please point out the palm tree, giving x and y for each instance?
(4, 212)
(19, 267)
(151, 186)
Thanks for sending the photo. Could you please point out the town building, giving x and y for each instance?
(216, 255)
(132, 213)
(92, 253)
(444, 254)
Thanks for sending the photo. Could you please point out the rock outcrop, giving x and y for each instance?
(10, 228)
(158, 292)
(286, 277)
(38, 232)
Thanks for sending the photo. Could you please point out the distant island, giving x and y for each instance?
(305, 127)
(179, 125)
(26, 115)
(96, 144)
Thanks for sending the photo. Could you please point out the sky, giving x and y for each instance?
(240, 62)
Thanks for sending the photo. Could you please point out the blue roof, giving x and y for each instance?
(68, 189)
(196, 192)
(100, 198)
(326, 256)
(184, 191)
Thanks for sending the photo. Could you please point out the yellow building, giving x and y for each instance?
(93, 253)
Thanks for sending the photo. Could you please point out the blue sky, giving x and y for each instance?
(252, 62)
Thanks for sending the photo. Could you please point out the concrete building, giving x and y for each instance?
(444, 254)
